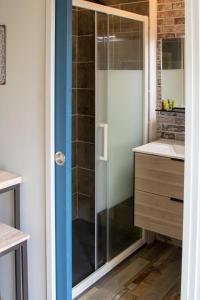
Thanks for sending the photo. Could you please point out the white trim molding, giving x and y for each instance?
(108, 10)
(152, 68)
(49, 145)
(191, 228)
(146, 77)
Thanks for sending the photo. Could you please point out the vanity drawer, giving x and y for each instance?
(159, 214)
(159, 175)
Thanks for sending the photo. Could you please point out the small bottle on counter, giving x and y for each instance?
(169, 104)
(172, 103)
(165, 104)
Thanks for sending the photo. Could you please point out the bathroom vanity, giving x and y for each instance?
(158, 186)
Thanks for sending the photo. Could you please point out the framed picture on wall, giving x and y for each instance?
(2, 54)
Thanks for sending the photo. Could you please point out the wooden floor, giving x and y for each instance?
(153, 273)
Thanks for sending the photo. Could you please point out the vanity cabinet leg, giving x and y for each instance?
(150, 236)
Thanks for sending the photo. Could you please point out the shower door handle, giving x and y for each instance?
(105, 141)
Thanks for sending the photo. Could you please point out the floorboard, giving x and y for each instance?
(153, 273)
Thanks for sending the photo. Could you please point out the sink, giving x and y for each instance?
(179, 149)
(164, 147)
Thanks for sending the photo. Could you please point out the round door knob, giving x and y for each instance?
(60, 158)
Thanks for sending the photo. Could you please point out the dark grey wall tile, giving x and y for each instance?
(141, 8)
(74, 128)
(74, 75)
(86, 48)
(86, 129)
(74, 101)
(86, 22)
(74, 21)
(86, 75)
(102, 24)
(74, 181)
(102, 60)
(86, 208)
(86, 155)
(86, 102)
(86, 182)
(131, 65)
(75, 206)
(114, 24)
(74, 154)
(127, 25)
(122, 55)
(74, 48)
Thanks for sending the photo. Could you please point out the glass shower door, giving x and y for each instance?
(120, 126)
(101, 174)
(125, 116)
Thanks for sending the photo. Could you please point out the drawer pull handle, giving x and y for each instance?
(176, 200)
(177, 159)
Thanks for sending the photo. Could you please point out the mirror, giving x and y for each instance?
(172, 75)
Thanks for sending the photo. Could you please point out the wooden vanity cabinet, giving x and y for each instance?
(158, 189)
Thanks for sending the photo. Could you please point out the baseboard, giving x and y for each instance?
(168, 240)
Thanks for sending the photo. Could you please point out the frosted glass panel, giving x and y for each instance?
(125, 130)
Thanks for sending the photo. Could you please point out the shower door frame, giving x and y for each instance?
(108, 266)
(136, 17)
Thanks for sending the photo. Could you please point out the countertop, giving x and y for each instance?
(8, 179)
(163, 147)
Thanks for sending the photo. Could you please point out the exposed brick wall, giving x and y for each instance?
(170, 24)
(171, 18)
(171, 125)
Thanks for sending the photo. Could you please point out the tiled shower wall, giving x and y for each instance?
(171, 24)
(136, 6)
(83, 144)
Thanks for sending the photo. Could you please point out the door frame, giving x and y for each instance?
(50, 150)
(191, 229)
(191, 225)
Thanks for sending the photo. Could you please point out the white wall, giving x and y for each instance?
(22, 133)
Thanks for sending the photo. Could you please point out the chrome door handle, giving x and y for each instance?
(105, 141)
(60, 158)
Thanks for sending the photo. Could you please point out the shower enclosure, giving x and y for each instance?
(110, 96)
